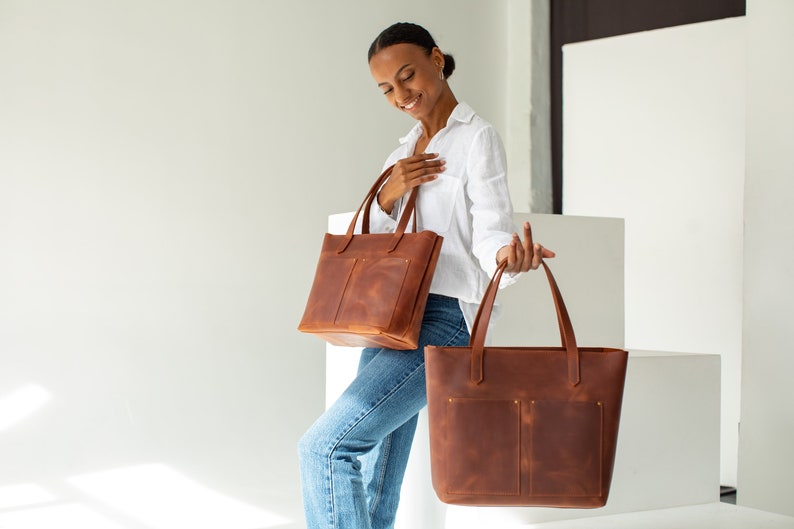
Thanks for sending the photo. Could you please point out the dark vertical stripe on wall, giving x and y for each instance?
(580, 20)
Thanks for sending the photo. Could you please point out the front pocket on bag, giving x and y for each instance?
(330, 282)
(566, 448)
(372, 292)
(484, 440)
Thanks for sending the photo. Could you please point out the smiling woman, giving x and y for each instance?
(412, 72)
(354, 456)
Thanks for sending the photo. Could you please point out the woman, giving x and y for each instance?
(354, 457)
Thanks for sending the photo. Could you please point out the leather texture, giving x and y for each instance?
(524, 426)
(370, 289)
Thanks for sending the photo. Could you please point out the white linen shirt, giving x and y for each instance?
(468, 204)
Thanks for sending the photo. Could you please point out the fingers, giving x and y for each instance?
(526, 258)
(529, 247)
(425, 156)
(409, 173)
(526, 255)
(515, 261)
(518, 258)
(420, 168)
(425, 167)
(537, 257)
(540, 253)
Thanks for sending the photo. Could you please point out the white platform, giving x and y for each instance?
(708, 516)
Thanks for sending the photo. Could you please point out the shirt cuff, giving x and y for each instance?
(376, 205)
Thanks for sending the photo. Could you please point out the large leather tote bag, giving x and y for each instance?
(370, 289)
(530, 426)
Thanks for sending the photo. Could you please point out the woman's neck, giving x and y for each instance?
(440, 115)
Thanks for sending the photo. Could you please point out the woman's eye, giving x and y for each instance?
(388, 91)
(408, 77)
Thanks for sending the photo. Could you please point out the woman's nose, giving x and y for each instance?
(400, 95)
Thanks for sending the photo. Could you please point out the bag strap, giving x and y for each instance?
(371, 194)
(483, 318)
(366, 205)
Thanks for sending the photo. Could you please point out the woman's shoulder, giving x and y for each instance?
(471, 122)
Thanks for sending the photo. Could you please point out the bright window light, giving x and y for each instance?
(21, 403)
(23, 495)
(161, 498)
(70, 516)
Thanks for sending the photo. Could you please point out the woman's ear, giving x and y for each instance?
(437, 56)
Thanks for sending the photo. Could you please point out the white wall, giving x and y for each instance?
(167, 169)
(654, 133)
(528, 105)
(767, 433)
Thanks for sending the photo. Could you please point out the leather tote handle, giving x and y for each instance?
(483, 318)
(366, 205)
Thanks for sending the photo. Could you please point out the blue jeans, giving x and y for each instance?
(353, 457)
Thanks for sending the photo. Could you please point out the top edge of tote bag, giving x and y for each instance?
(370, 289)
(524, 426)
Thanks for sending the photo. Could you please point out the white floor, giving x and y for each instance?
(709, 516)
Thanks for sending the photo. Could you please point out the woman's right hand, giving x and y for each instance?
(406, 175)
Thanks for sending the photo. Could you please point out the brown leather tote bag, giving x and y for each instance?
(370, 289)
(529, 426)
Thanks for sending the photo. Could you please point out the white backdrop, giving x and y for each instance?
(166, 172)
(654, 133)
(767, 435)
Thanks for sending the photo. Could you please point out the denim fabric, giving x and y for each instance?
(353, 457)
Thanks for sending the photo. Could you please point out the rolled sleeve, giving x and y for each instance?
(380, 221)
(491, 209)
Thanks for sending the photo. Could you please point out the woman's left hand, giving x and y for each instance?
(523, 255)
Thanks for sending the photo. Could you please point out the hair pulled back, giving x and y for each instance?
(408, 33)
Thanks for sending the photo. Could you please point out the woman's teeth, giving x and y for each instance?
(412, 104)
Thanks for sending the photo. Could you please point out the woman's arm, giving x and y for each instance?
(494, 236)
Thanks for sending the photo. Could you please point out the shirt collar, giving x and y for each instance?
(462, 113)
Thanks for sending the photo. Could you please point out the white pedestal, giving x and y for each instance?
(714, 515)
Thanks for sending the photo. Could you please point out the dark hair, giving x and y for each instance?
(408, 33)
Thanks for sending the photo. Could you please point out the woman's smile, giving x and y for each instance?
(410, 77)
(410, 105)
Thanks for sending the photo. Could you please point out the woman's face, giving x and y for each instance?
(409, 78)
